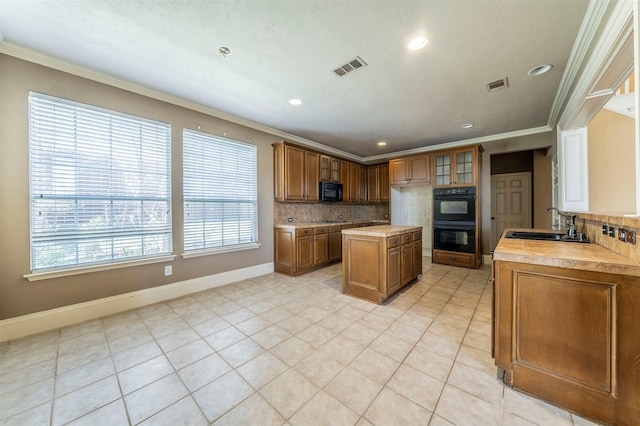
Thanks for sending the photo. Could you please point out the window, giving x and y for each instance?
(220, 192)
(100, 185)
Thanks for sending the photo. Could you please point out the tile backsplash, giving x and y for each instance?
(314, 212)
(591, 225)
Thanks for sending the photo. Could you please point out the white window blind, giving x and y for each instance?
(100, 185)
(220, 192)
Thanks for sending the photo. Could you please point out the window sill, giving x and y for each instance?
(46, 275)
(228, 249)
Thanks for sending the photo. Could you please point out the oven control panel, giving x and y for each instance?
(469, 190)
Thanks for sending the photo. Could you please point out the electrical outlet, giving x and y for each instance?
(612, 231)
(168, 270)
(631, 237)
(604, 229)
(622, 234)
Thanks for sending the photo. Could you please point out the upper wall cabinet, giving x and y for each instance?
(378, 183)
(409, 170)
(330, 169)
(459, 167)
(296, 173)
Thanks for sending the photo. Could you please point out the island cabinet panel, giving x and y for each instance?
(375, 266)
(571, 337)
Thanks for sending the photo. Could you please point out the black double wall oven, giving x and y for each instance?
(454, 219)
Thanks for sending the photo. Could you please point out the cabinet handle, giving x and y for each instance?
(305, 232)
(394, 241)
(453, 258)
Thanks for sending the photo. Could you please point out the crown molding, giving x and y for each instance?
(460, 143)
(49, 61)
(593, 17)
(615, 35)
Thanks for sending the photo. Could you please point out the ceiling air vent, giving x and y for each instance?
(350, 66)
(499, 84)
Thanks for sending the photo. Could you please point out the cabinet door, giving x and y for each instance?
(394, 272)
(373, 183)
(335, 170)
(362, 183)
(443, 169)
(419, 167)
(384, 182)
(398, 172)
(312, 175)
(321, 248)
(344, 179)
(294, 176)
(417, 258)
(463, 171)
(304, 249)
(335, 246)
(407, 263)
(354, 182)
(325, 168)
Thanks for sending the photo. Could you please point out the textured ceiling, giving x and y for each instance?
(284, 49)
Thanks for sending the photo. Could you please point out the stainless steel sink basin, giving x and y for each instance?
(543, 236)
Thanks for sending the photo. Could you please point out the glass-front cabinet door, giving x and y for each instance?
(443, 169)
(464, 167)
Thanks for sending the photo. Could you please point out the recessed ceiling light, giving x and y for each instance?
(295, 101)
(418, 43)
(467, 125)
(540, 69)
(224, 51)
(382, 143)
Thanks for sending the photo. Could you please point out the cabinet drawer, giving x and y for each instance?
(335, 228)
(303, 232)
(454, 259)
(319, 231)
(417, 235)
(407, 238)
(394, 241)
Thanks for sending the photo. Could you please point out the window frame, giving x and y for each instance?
(224, 248)
(161, 142)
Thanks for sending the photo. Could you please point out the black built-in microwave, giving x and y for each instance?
(330, 191)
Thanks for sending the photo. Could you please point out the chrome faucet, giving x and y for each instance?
(572, 228)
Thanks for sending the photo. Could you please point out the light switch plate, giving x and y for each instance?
(168, 270)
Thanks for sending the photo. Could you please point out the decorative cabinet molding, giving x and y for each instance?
(573, 164)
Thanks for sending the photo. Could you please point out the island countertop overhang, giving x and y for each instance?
(382, 230)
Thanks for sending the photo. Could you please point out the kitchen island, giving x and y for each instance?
(378, 261)
(301, 247)
(566, 318)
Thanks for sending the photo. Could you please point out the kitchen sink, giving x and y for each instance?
(543, 236)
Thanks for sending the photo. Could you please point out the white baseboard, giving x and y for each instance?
(51, 319)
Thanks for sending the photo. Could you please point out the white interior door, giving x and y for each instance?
(510, 203)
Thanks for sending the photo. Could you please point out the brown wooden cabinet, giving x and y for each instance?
(378, 183)
(329, 169)
(459, 167)
(296, 173)
(357, 185)
(335, 243)
(417, 253)
(376, 266)
(321, 246)
(570, 336)
(410, 170)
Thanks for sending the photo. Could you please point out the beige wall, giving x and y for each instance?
(612, 170)
(18, 296)
(542, 193)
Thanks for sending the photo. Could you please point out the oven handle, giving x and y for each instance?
(455, 227)
(454, 197)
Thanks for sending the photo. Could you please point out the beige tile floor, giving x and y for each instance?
(276, 350)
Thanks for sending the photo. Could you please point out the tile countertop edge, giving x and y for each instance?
(589, 257)
(382, 230)
(297, 225)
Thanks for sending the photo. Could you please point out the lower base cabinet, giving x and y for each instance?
(570, 337)
(376, 267)
(465, 260)
(301, 250)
